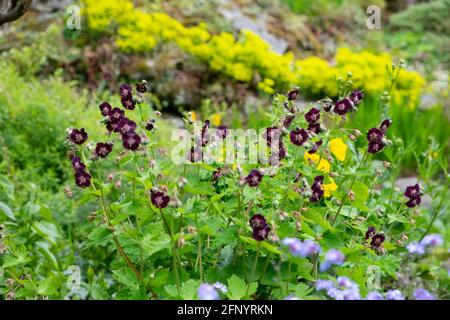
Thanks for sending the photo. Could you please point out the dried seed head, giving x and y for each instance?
(352, 137)
(110, 176)
(118, 184)
(181, 242)
(356, 132)
(91, 217)
(9, 282)
(351, 195)
(182, 182)
(386, 164)
(191, 230)
(152, 163)
(11, 295)
(404, 237)
(68, 191)
(2, 248)
(158, 114)
(282, 215)
(175, 202)
(298, 225)
(304, 209)
(378, 173)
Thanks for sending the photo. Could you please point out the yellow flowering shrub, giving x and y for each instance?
(248, 55)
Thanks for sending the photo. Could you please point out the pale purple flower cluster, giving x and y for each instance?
(394, 295)
(429, 241)
(207, 292)
(332, 257)
(342, 289)
(300, 248)
(422, 294)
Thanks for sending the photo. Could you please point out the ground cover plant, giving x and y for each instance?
(295, 175)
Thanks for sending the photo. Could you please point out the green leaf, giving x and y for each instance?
(361, 195)
(237, 288)
(126, 277)
(7, 211)
(47, 230)
(43, 248)
(152, 243)
(318, 218)
(98, 237)
(189, 289)
(7, 185)
(302, 290)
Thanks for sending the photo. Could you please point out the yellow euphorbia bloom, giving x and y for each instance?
(322, 163)
(329, 188)
(193, 115)
(338, 148)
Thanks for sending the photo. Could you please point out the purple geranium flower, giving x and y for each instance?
(207, 292)
(394, 295)
(78, 136)
(298, 136)
(254, 178)
(422, 294)
(159, 199)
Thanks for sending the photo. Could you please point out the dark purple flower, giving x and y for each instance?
(370, 233)
(125, 125)
(412, 191)
(83, 179)
(111, 126)
(115, 115)
(128, 103)
(131, 140)
(103, 149)
(288, 120)
(159, 199)
(292, 95)
(272, 134)
(254, 178)
(375, 146)
(222, 131)
(298, 136)
(385, 125)
(343, 106)
(314, 127)
(375, 135)
(78, 136)
(317, 190)
(125, 91)
(141, 87)
(105, 108)
(313, 115)
(257, 221)
(77, 165)
(196, 155)
(149, 125)
(205, 133)
(413, 202)
(377, 241)
(217, 174)
(356, 96)
(315, 147)
(260, 227)
(260, 234)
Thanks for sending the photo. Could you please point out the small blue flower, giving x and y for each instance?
(416, 248)
(308, 248)
(432, 240)
(332, 257)
(394, 295)
(220, 287)
(335, 293)
(207, 292)
(324, 284)
(291, 297)
(374, 296)
(351, 294)
(422, 294)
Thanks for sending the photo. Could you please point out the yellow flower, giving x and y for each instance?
(216, 119)
(193, 115)
(322, 163)
(329, 188)
(338, 148)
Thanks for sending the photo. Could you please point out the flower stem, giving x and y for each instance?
(254, 266)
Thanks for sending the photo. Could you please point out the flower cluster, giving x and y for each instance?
(82, 177)
(332, 257)
(341, 289)
(317, 189)
(376, 137)
(207, 291)
(312, 117)
(300, 248)
(429, 241)
(260, 227)
(159, 199)
(254, 178)
(117, 122)
(413, 194)
(376, 239)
